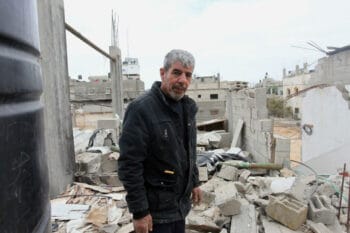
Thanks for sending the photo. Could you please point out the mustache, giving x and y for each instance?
(180, 86)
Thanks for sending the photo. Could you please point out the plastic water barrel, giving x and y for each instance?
(24, 199)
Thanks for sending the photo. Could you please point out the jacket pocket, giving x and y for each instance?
(162, 195)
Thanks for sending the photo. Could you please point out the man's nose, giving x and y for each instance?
(182, 78)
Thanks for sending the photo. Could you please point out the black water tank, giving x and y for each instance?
(24, 200)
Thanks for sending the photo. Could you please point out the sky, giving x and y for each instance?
(240, 39)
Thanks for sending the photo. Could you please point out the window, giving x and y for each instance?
(199, 96)
(214, 96)
(108, 91)
(296, 110)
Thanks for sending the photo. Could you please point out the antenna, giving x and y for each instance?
(316, 46)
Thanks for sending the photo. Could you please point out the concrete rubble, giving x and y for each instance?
(236, 197)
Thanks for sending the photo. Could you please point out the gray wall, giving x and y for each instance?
(57, 118)
(257, 134)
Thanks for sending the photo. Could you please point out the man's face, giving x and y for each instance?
(176, 80)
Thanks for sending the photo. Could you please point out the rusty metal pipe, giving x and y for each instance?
(341, 191)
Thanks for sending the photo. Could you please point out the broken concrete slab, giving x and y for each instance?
(62, 211)
(109, 162)
(246, 221)
(88, 163)
(288, 211)
(228, 172)
(243, 177)
(126, 228)
(271, 226)
(195, 219)
(225, 192)
(318, 227)
(111, 179)
(230, 207)
(203, 174)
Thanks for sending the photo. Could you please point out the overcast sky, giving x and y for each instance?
(240, 39)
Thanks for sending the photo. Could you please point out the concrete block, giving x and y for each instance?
(288, 211)
(208, 197)
(230, 207)
(111, 179)
(228, 172)
(109, 162)
(88, 162)
(243, 177)
(320, 210)
(266, 125)
(203, 174)
(225, 192)
(246, 221)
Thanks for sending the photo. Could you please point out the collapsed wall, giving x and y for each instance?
(256, 135)
(326, 114)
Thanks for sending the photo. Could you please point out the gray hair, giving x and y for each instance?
(184, 57)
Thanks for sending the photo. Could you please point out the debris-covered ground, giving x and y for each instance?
(240, 196)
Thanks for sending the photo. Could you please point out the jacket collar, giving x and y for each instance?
(190, 104)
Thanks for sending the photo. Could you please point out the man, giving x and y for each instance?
(157, 163)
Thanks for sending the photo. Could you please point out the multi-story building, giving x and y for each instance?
(93, 99)
(294, 82)
(210, 94)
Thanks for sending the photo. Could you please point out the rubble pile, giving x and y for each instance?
(239, 196)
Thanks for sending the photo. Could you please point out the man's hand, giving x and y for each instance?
(196, 196)
(143, 225)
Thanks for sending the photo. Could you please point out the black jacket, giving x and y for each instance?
(154, 157)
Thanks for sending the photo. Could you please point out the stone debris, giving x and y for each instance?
(237, 197)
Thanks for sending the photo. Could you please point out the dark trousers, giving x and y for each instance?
(173, 227)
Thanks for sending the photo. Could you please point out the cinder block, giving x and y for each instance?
(228, 172)
(288, 211)
(321, 210)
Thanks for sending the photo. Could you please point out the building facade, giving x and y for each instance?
(294, 82)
